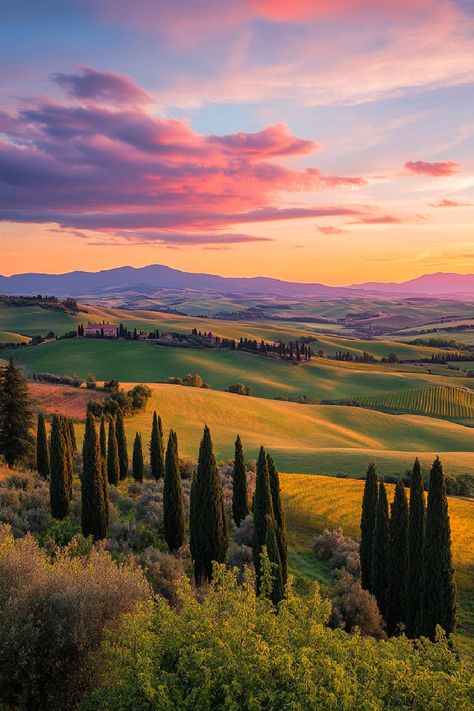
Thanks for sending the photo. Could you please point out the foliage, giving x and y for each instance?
(52, 618)
(262, 507)
(122, 445)
(240, 389)
(416, 533)
(279, 518)
(379, 572)
(138, 467)
(367, 525)
(240, 500)
(113, 465)
(397, 562)
(157, 464)
(232, 652)
(42, 448)
(59, 481)
(173, 506)
(94, 505)
(16, 418)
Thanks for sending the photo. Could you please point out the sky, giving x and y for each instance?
(310, 140)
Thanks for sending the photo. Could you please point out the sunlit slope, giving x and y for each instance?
(9, 337)
(437, 401)
(136, 361)
(312, 439)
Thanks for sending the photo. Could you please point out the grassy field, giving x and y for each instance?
(136, 361)
(312, 439)
(315, 503)
(437, 401)
(9, 337)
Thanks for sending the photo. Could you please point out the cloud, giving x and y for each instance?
(190, 239)
(105, 86)
(330, 230)
(378, 220)
(93, 167)
(436, 170)
(450, 203)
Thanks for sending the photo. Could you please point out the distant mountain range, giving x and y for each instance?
(156, 277)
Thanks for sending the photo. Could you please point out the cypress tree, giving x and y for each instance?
(209, 533)
(271, 544)
(367, 524)
(42, 448)
(439, 588)
(72, 435)
(378, 576)
(69, 453)
(397, 596)
(93, 514)
(122, 446)
(173, 506)
(157, 468)
(16, 417)
(137, 458)
(416, 532)
(113, 466)
(59, 475)
(103, 442)
(240, 498)
(262, 507)
(279, 516)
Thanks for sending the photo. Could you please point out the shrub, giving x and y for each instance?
(240, 389)
(356, 607)
(52, 619)
(243, 535)
(164, 571)
(325, 544)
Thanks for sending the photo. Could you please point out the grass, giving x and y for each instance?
(437, 401)
(312, 439)
(136, 361)
(9, 337)
(315, 503)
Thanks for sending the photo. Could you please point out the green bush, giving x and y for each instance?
(233, 651)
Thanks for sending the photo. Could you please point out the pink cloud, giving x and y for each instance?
(450, 203)
(436, 170)
(86, 166)
(105, 86)
(330, 230)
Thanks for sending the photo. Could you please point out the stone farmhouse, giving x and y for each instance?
(102, 329)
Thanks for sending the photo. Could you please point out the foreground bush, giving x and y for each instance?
(233, 652)
(52, 619)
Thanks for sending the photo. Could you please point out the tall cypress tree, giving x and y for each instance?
(397, 565)
(42, 448)
(209, 533)
(378, 576)
(72, 435)
(122, 446)
(279, 516)
(157, 468)
(59, 476)
(262, 507)
(103, 442)
(173, 506)
(271, 544)
(16, 417)
(439, 588)
(240, 497)
(93, 514)
(69, 453)
(367, 525)
(113, 466)
(137, 458)
(416, 532)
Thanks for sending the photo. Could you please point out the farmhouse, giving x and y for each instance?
(102, 329)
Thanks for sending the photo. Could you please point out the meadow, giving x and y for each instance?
(137, 361)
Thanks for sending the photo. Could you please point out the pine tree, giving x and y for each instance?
(122, 446)
(137, 458)
(273, 553)
(16, 418)
(113, 466)
(59, 475)
(42, 448)
(262, 507)
(397, 564)
(209, 533)
(416, 532)
(240, 500)
(157, 468)
(439, 588)
(173, 506)
(378, 575)
(367, 525)
(279, 516)
(93, 514)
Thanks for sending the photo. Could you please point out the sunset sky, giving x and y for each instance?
(311, 140)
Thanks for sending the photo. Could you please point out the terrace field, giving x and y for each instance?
(437, 401)
(137, 361)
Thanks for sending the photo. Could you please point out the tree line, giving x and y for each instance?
(406, 560)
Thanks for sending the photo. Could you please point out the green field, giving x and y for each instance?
(311, 439)
(437, 401)
(133, 361)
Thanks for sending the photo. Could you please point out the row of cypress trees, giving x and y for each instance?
(406, 560)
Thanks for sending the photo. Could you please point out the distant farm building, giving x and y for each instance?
(102, 329)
